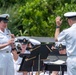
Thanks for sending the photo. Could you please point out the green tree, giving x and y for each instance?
(36, 17)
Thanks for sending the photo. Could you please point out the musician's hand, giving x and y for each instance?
(58, 21)
(12, 35)
(11, 41)
(62, 51)
(53, 47)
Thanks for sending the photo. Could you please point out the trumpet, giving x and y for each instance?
(18, 47)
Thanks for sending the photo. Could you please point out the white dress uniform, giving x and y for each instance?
(6, 62)
(70, 37)
(17, 66)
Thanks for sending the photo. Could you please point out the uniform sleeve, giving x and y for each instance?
(1, 38)
(62, 36)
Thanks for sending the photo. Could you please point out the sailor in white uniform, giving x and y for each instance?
(69, 35)
(6, 62)
(22, 43)
(17, 61)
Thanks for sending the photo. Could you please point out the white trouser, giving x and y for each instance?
(6, 64)
(71, 65)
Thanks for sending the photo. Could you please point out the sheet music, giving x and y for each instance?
(55, 62)
(58, 62)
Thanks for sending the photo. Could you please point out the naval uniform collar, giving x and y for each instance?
(2, 32)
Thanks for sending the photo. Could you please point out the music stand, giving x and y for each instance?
(54, 56)
(41, 52)
(22, 67)
(38, 52)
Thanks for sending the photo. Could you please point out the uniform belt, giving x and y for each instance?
(7, 51)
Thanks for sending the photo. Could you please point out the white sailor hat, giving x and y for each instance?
(34, 42)
(4, 17)
(70, 14)
(22, 39)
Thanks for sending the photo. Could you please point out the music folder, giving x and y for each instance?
(43, 50)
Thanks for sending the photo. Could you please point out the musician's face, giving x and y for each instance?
(62, 51)
(24, 46)
(3, 24)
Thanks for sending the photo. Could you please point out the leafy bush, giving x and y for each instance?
(36, 17)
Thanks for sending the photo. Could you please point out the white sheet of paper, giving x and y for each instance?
(55, 62)
(58, 62)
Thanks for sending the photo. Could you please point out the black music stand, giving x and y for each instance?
(54, 56)
(41, 52)
(22, 67)
(38, 53)
(27, 62)
(54, 67)
(24, 55)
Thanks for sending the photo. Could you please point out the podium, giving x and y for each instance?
(35, 61)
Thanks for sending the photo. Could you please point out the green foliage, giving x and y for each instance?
(7, 3)
(14, 19)
(36, 17)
